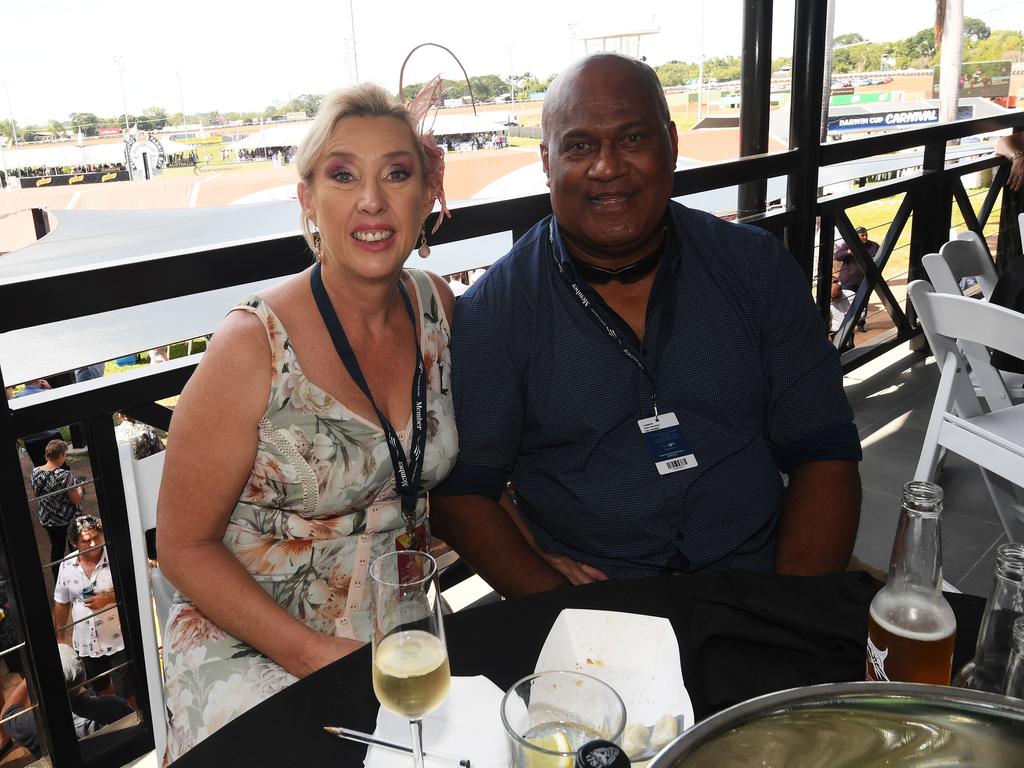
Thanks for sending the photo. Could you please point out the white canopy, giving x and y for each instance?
(61, 155)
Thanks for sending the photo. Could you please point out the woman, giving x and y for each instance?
(84, 589)
(1009, 245)
(268, 523)
(56, 510)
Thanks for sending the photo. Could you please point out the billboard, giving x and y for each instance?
(884, 121)
(986, 79)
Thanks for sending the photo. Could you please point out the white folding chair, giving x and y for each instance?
(967, 257)
(959, 330)
(141, 478)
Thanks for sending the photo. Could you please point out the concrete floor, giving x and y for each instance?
(892, 400)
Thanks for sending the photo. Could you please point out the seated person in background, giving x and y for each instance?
(56, 510)
(91, 712)
(841, 302)
(642, 372)
(83, 590)
(268, 524)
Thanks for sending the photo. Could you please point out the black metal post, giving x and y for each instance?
(755, 86)
(804, 125)
(40, 223)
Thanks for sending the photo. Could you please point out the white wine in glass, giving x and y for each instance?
(411, 675)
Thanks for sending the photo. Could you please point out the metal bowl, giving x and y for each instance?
(861, 724)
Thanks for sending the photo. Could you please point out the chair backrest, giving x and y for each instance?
(977, 325)
(141, 479)
(966, 256)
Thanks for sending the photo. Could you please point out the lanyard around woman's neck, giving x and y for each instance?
(408, 471)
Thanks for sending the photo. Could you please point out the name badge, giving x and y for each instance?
(666, 443)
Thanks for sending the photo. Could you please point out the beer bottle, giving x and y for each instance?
(1005, 603)
(1013, 685)
(911, 627)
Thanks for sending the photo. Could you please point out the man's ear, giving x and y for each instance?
(544, 162)
(673, 137)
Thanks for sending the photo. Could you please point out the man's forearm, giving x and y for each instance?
(485, 536)
(819, 519)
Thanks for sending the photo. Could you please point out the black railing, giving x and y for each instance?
(928, 200)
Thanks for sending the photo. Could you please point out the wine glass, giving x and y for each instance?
(411, 676)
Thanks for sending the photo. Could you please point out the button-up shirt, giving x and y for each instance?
(99, 635)
(543, 396)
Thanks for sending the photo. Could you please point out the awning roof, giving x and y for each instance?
(60, 155)
(91, 239)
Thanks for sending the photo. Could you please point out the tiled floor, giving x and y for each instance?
(892, 400)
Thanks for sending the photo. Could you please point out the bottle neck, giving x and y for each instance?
(917, 551)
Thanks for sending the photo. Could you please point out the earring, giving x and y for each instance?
(424, 248)
(317, 245)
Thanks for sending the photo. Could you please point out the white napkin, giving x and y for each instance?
(467, 725)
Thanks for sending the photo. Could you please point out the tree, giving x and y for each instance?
(85, 123)
(55, 128)
(949, 26)
(676, 73)
(975, 29)
(153, 119)
(850, 38)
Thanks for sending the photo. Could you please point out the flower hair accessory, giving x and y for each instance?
(430, 97)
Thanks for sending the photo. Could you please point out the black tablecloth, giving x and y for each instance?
(740, 635)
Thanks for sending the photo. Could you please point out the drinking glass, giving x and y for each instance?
(411, 676)
(549, 715)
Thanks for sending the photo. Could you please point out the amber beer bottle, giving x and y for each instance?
(911, 627)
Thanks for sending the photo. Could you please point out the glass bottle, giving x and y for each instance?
(1013, 685)
(911, 627)
(1005, 603)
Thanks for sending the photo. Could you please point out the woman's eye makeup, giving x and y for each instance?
(341, 173)
(399, 173)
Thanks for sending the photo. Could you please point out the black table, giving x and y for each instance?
(740, 635)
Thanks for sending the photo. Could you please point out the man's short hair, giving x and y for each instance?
(648, 73)
(862, 230)
(55, 449)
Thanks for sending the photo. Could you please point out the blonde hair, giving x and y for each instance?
(362, 100)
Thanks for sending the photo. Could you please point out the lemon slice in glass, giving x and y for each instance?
(555, 742)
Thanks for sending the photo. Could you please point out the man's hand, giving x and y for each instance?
(819, 519)
(100, 600)
(575, 572)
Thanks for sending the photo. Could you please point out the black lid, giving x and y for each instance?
(601, 754)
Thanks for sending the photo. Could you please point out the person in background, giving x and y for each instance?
(850, 273)
(90, 712)
(83, 592)
(643, 373)
(56, 509)
(35, 445)
(1010, 248)
(841, 300)
(268, 524)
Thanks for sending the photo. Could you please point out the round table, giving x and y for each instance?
(740, 635)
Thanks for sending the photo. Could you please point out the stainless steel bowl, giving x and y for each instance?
(857, 724)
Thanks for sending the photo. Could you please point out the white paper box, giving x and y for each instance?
(636, 655)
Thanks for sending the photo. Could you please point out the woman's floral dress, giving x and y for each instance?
(319, 506)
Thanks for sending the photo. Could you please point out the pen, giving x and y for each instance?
(366, 738)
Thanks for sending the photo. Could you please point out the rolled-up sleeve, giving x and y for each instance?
(808, 416)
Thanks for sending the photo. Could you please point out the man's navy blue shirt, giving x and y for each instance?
(545, 398)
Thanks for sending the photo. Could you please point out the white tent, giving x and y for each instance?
(61, 155)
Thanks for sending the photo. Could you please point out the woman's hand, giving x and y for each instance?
(320, 651)
(1016, 178)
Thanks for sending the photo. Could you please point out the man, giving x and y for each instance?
(90, 712)
(35, 444)
(850, 273)
(642, 372)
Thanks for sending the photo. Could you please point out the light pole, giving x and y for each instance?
(181, 96)
(14, 127)
(352, 24)
(119, 63)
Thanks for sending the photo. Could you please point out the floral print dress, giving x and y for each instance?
(319, 506)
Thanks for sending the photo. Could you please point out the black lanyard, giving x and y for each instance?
(407, 471)
(600, 317)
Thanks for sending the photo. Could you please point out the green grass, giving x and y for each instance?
(523, 141)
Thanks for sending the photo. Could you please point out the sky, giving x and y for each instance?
(58, 56)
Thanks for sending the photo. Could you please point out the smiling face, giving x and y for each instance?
(87, 540)
(368, 196)
(609, 154)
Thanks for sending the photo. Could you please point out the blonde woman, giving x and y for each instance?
(280, 484)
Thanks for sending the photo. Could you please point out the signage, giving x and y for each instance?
(987, 79)
(65, 179)
(886, 121)
(151, 146)
(846, 99)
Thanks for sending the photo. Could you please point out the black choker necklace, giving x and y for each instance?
(631, 273)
